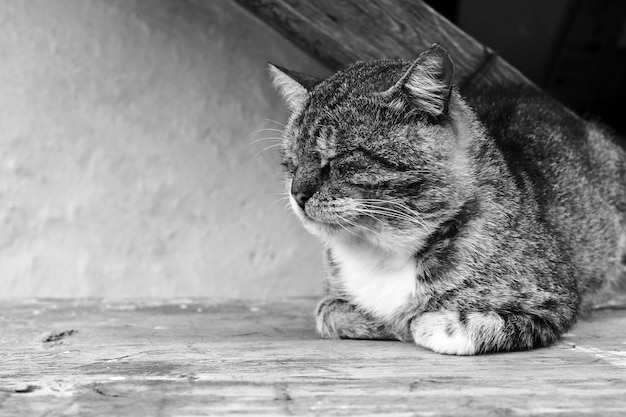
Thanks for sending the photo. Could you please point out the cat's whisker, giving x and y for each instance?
(344, 227)
(404, 218)
(274, 121)
(358, 226)
(285, 198)
(266, 149)
(388, 213)
(378, 208)
(279, 131)
(403, 209)
(366, 213)
(256, 132)
(394, 215)
(408, 210)
(275, 139)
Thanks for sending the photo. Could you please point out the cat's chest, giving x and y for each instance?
(380, 283)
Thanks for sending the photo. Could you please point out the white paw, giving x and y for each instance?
(443, 332)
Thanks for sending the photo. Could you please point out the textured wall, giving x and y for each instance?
(125, 163)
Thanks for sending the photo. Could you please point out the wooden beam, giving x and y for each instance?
(340, 32)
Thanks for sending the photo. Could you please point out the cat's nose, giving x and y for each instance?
(301, 198)
(304, 186)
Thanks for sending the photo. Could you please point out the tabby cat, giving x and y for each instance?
(464, 225)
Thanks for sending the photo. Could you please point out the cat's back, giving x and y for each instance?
(562, 157)
(569, 174)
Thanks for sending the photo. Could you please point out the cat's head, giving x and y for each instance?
(371, 152)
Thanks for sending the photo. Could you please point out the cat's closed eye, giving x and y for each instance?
(325, 170)
(289, 165)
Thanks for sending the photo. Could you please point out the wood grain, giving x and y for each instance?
(341, 32)
(199, 357)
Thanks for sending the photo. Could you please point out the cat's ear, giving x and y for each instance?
(293, 86)
(428, 82)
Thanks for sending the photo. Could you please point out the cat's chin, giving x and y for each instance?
(328, 229)
(385, 241)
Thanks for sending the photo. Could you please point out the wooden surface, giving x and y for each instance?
(341, 32)
(192, 358)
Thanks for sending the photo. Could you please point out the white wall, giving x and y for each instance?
(125, 163)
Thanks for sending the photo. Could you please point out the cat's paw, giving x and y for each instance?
(331, 313)
(339, 319)
(451, 333)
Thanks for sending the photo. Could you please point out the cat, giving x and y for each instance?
(464, 225)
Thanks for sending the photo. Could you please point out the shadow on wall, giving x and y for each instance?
(127, 165)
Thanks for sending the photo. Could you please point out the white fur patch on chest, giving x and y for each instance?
(378, 282)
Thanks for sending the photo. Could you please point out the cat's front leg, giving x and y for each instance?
(470, 333)
(338, 319)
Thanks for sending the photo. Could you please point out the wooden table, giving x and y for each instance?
(200, 357)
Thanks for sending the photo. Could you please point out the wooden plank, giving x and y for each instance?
(199, 357)
(341, 32)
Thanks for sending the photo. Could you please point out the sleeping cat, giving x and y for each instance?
(464, 225)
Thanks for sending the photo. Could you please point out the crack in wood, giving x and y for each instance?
(25, 390)
(57, 335)
(282, 394)
(282, 397)
(100, 389)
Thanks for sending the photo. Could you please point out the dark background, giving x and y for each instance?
(573, 49)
